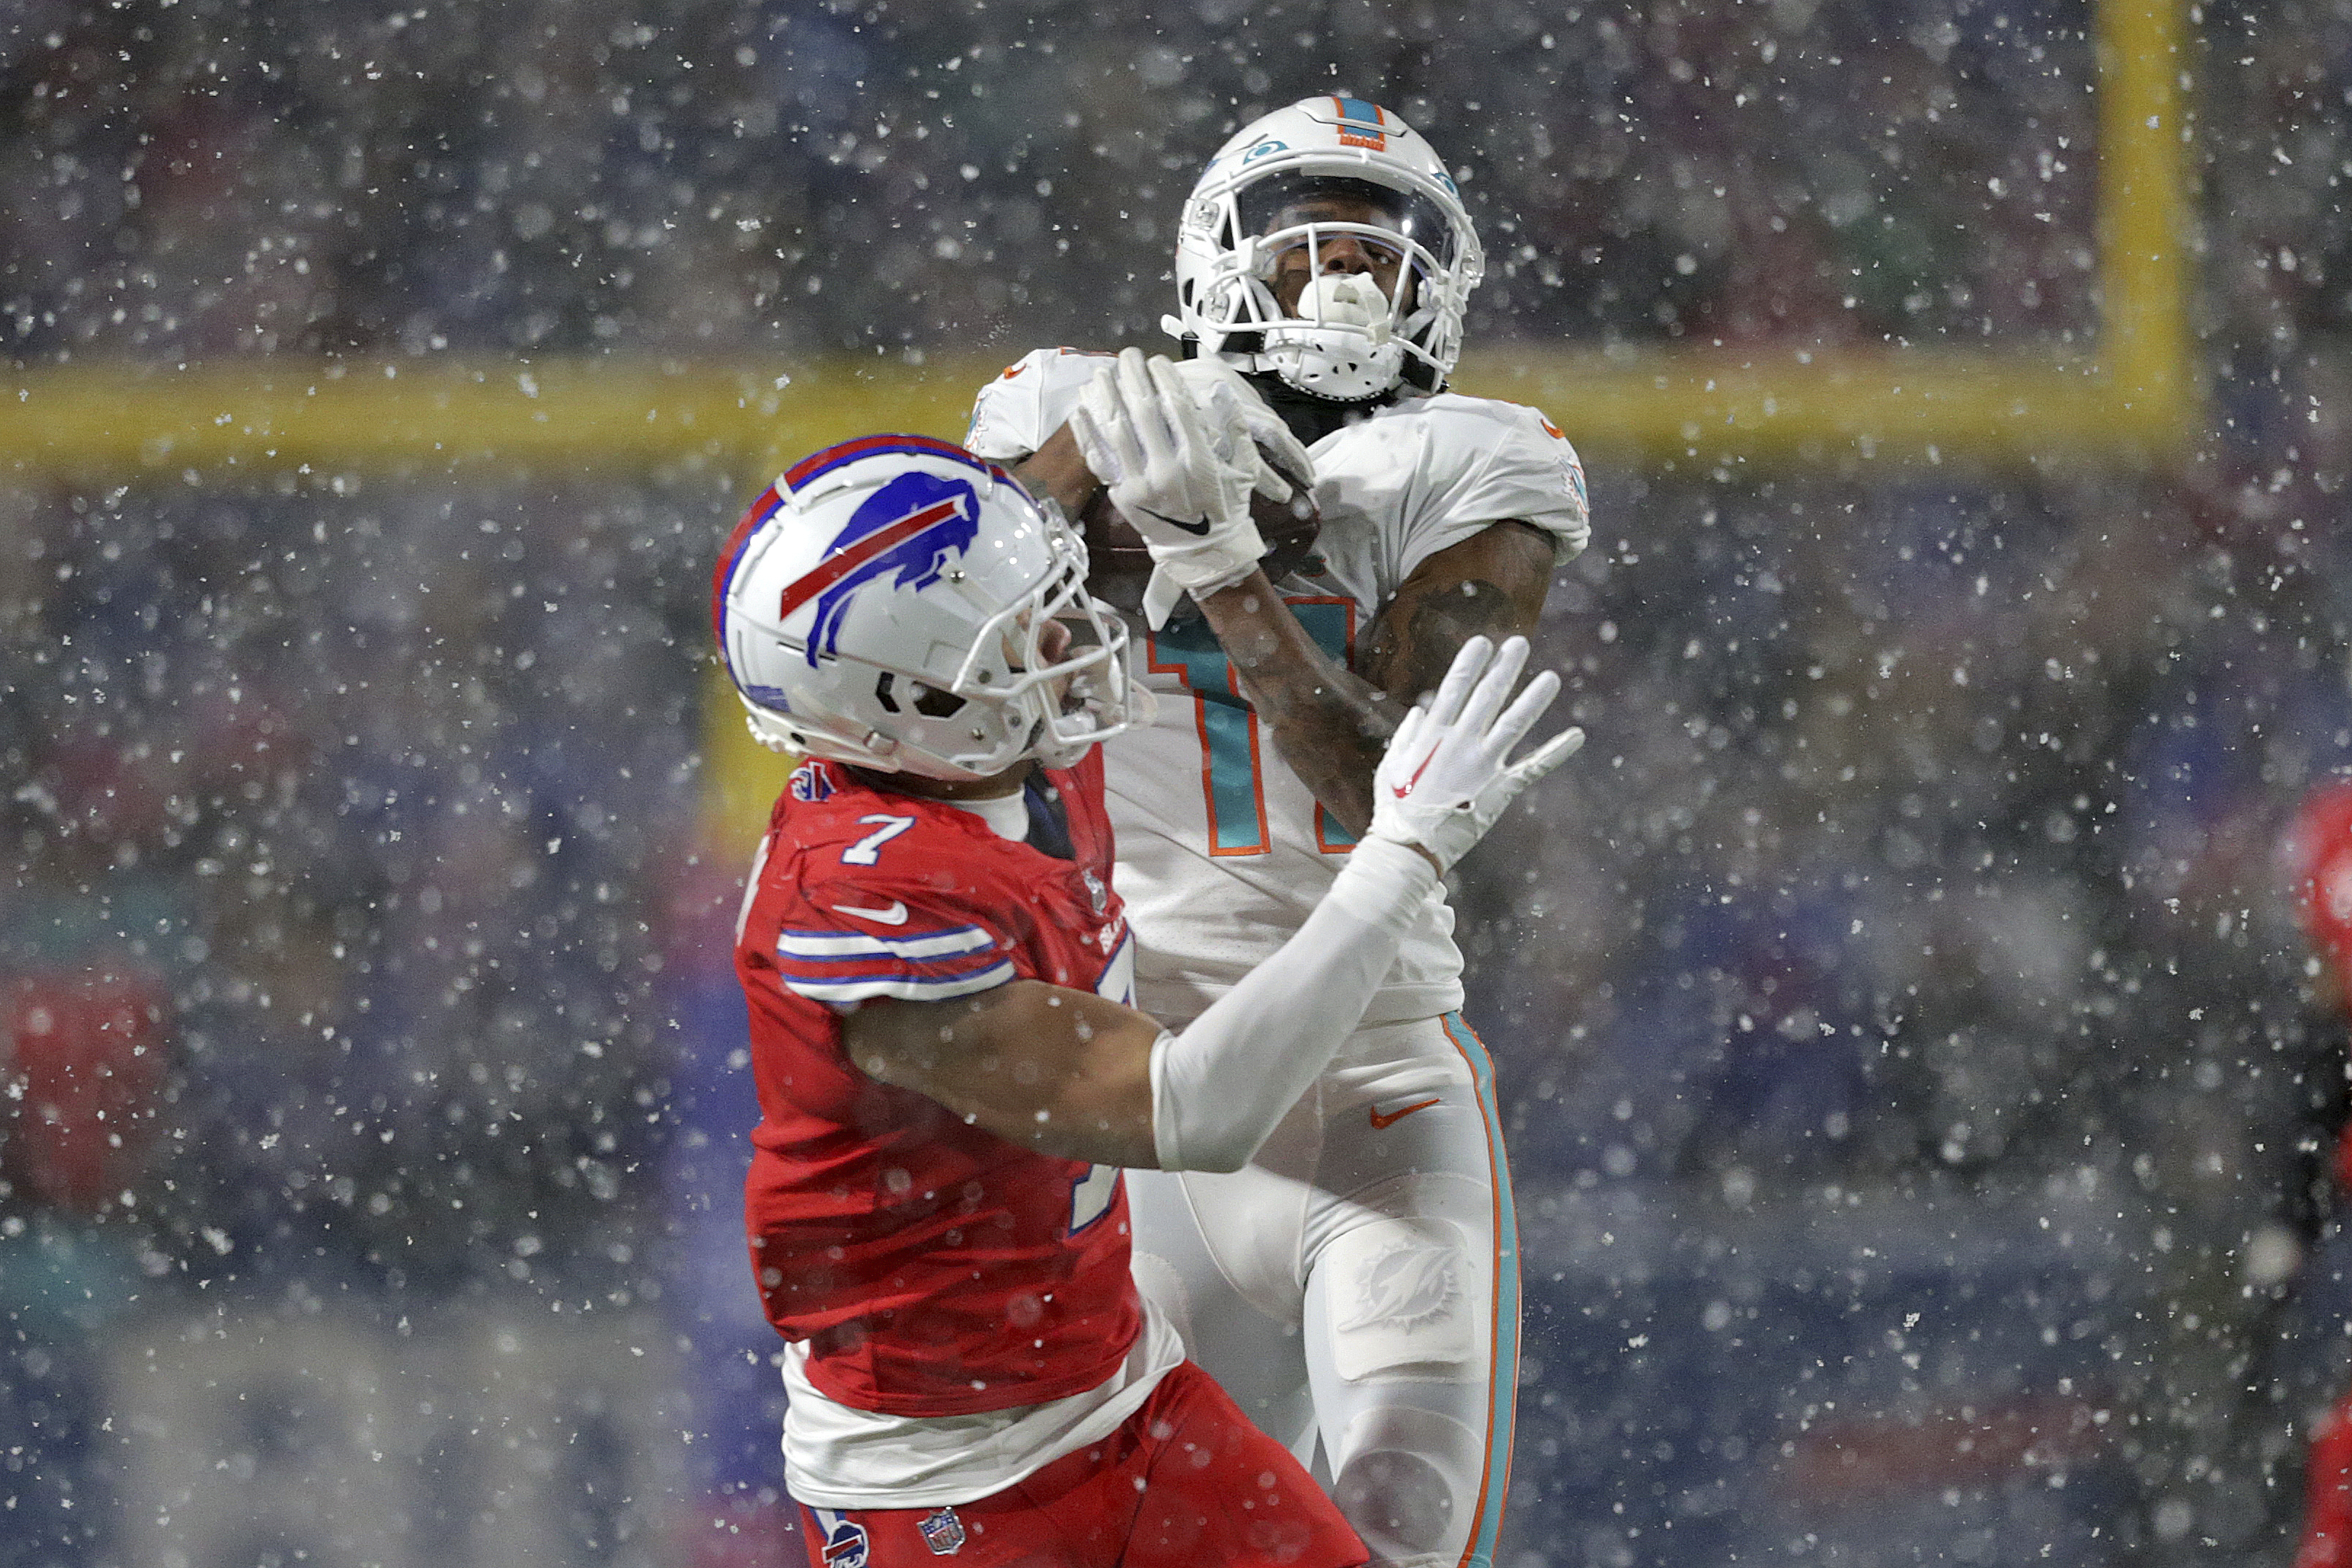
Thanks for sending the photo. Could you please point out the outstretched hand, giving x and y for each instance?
(1447, 774)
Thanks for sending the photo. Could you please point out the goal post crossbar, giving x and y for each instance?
(2133, 400)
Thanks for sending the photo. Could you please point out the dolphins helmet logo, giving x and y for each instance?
(908, 529)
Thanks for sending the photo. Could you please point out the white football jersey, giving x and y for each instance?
(1222, 850)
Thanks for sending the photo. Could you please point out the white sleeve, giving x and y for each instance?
(1501, 460)
(1031, 399)
(1219, 1088)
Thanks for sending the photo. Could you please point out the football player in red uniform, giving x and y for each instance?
(950, 1076)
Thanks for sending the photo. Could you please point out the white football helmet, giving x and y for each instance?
(887, 603)
(1348, 342)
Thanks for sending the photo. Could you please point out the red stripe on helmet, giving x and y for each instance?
(834, 568)
(730, 554)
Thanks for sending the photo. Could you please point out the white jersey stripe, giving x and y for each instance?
(905, 988)
(856, 947)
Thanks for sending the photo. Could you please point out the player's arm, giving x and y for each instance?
(1329, 722)
(1078, 1076)
(1018, 419)
(1136, 425)
(1065, 1072)
(1054, 464)
(1058, 471)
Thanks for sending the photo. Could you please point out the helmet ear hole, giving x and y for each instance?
(936, 704)
(930, 704)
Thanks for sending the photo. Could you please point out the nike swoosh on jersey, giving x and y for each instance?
(891, 914)
(1200, 527)
(1393, 1117)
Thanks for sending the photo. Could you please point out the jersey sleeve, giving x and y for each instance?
(844, 942)
(1031, 399)
(1511, 463)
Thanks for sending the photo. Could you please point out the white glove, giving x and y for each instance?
(1245, 430)
(1446, 776)
(1139, 429)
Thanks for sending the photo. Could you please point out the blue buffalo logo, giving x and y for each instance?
(846, 1542)
(908, 531)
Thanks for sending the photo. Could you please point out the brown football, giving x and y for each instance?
(1120, 564)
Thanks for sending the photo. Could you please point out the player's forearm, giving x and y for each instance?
(1220, 1087)
(1329, 724)
(1065, 1072)
(1073, 1074)
(1057, 471)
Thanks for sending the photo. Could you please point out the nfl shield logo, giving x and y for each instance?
(942, 1532)
(1096, 894)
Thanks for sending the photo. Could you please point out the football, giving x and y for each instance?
(1120, 565)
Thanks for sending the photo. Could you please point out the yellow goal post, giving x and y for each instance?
(2135, 399)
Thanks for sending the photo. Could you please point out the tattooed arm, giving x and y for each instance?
(1331, 723)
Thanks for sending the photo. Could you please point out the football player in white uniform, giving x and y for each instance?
(1357, 1284)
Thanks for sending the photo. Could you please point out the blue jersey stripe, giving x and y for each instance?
(951, 965)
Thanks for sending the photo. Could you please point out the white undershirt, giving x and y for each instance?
(837, 1456)
(1006, 815)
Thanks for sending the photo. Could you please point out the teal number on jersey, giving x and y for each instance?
(1229, 737)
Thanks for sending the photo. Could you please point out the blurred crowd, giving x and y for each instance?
(1921, 885)
(209, 178)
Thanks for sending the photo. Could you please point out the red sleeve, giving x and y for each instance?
(849, 939)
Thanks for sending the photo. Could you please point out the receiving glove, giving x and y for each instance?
(1140, 430)
(1446, 775)
(1247, 432)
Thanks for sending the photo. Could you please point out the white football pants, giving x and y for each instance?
(1358, 1283)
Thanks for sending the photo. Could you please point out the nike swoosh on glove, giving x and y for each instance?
(1447, 776)
(1139, 428)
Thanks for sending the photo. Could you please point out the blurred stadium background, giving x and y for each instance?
(1917, 1091)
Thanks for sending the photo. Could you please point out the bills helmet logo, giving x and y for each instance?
(907, 530)
(846, 1544)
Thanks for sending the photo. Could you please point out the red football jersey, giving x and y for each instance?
(2322, 860)
(933, 1268)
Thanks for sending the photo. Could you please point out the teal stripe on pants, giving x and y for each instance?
(1488, 1528)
